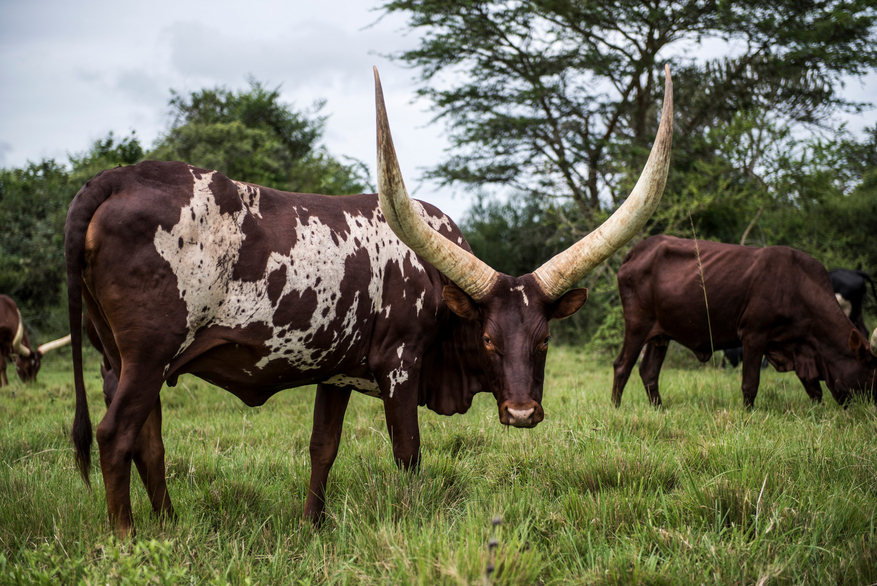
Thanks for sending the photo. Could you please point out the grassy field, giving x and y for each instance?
(702, 492)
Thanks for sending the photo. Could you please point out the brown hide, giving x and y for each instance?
(773, 301)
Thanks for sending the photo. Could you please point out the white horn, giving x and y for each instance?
(462, 267)
(562, 272)
(54, 344)
(17, 346)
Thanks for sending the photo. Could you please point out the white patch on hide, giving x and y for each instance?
(211, 243)
(419, 303)
(368, 386)
(521, 289)
(250, 195)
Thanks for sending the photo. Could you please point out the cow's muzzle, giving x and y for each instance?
(521, 414)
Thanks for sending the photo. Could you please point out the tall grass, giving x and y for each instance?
(700, 492)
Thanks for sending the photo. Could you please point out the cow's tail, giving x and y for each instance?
(83, 207)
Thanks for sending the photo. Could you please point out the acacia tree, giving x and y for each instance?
(558, 98)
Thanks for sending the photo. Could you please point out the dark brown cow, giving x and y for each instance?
(186, 271)
(15, 345)
(775, 302)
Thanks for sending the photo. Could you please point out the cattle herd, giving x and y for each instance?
(183, 270)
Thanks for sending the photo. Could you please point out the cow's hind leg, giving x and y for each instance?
(329, 408)
(117, 435)
(149, 458)
(3, 380)
(148, 451)
(650, 368)
(630, 349)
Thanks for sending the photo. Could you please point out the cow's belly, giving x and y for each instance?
(240, 370)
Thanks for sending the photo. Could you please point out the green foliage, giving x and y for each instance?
(608, 337)
(105, 154)
(33, 207)
(252, 136)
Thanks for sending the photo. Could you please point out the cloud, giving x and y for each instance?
(5, 147)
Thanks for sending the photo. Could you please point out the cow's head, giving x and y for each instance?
(862, 377)
(28, 362)
(513, 312)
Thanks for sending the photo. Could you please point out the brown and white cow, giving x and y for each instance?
(255, 290)
(776, 301)
(15, 344)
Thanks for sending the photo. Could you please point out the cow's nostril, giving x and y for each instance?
(521, 414)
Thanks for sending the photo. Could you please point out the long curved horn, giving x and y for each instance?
(17, 346)
(472, 275)
(565, 269)
(873, 343)
(54, 344)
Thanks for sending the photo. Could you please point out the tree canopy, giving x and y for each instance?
(250, 135)
(559, 98)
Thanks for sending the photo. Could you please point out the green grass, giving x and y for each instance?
(702, 492)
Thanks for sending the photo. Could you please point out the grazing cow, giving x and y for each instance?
(15, 345)
(849, 289)
(776, 301)
(255, 290)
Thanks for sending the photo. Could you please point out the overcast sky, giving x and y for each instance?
(71, 72)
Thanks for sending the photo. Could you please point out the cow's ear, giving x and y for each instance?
(460, 303)
(569, 303)
(859, 345)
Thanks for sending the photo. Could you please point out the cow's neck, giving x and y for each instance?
(455, 374)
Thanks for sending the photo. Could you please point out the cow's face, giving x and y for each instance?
(862, 376)
(27, 368)
(513, 323)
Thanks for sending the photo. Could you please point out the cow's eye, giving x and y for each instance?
(545, 342)
(487, 341)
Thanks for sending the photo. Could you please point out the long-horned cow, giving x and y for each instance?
(776, 301)
(255, 290)
(15, 344)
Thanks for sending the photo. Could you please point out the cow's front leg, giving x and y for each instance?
(814, 389)
(329, 408)
(752, 357)
(400, 389)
